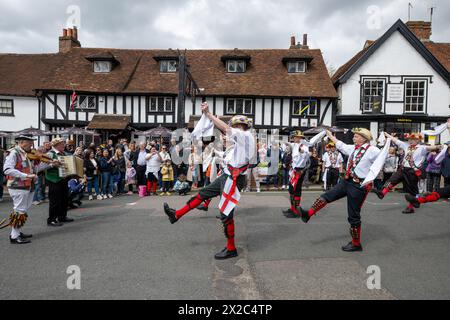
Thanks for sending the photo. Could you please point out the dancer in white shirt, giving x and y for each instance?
(332, 165)
(228, 185)
(410, 170)
(361, 156)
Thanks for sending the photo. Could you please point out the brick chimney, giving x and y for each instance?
(299, 45)
(69, 40)
(422, 29)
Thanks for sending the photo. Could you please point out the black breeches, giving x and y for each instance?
(409, 179)
(298, 188)
(332, 177)
(356, 195)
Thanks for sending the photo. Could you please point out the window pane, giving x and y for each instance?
(160, 104)
(230, 108)
(301, 66)
(231, 66)
(153, 104)
(168, 104)
(163, 66)
(240, 66)
(248, 107)
(172, 66)
(239, 106)
(296, 107)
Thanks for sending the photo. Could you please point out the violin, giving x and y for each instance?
(34, 155)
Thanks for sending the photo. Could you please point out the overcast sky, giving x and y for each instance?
(338, 27)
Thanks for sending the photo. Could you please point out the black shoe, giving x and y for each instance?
(72, 206)
(25, 236)
(287, 211)
(19, 240)
(304, 215)
(351, 248)
(408, 211)
(54, 223)
(79, 203)
(202, 208)
(66, 220)
(225, 254)
(170, 213)
(379, 193)
(413, 200)
(292, 215)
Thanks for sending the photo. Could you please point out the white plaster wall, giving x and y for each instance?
(397, 57)
(25, 114)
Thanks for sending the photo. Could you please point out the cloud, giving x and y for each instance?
(338, 28)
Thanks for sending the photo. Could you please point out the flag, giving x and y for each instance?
(73, 100)
(230, 197)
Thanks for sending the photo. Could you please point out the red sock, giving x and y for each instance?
(230, 235)
(385, 191)
(206, 203)
(192, 204)
(410, 206)
(318, 204)
(356, 238)
(434, 196)
(149, 187)
(296, 205)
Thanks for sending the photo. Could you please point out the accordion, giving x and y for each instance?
(71, 166)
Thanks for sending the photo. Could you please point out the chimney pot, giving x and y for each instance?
(75, 33)
(305, 40)
(64, 32)
(69, 32)
(292, 41)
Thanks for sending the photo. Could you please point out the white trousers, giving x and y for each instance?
(22, 200)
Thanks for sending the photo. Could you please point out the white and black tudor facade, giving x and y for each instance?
(119, 89)
(399, 83)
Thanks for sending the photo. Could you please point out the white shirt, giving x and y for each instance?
(391, 163)
(164, 156)
(141, 158)
(363, 167)
(153, 164)
(242, 148)
(418, 156)
(300, 155)
(329, 157)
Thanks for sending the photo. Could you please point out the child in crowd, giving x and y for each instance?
(182, 186)
(130, 177)
(167, 177)
(76, 190)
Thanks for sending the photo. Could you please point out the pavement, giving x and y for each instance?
(125, 248)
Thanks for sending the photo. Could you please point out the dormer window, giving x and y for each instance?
(236, 66)
(236, 62)
(297, 63)
(168, 66)
(296, 66)
(103, 62)
(102, 66)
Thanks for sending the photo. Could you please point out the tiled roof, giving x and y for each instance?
(138, 72)
(109, 122)
(441, 51)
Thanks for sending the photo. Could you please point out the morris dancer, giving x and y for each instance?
(229, 184)
(21, 172)
(361, 157)
(410, 171)
(300, 161)
(332, 165)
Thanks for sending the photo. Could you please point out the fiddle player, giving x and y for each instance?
(21, 168)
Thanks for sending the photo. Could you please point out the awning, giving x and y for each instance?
(109, 122)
